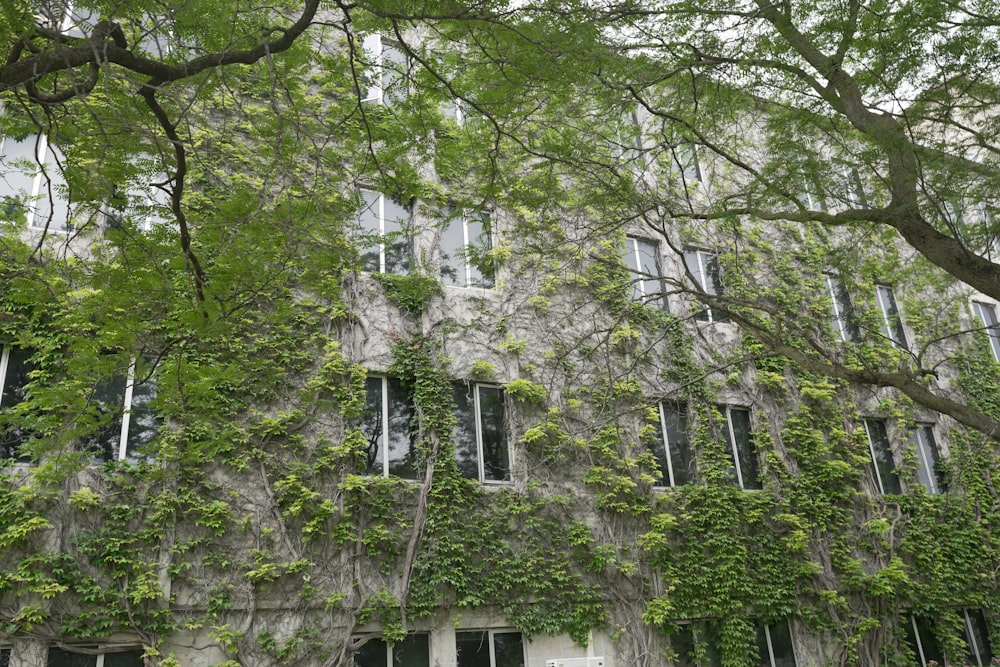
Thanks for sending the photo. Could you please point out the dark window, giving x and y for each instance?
(883, 464)
(927, 457)
(15, 365)
(987, 313)
(977, 640)
(774, 643)
(125, 419)
(60, 658)
(642, 259)
(704, 266)
(844, 322)
(413, 651)
(481, 434)
(385, 225)
(892, 322)
(671, 446)
(108, 405)
(489, 648)
(922, 642)
(4, 657)
(385, 424)
(746, 471)
(465, 245)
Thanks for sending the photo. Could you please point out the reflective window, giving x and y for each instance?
(385, 79)
(843, 311)
(927, 457)
(385, 423)
(480, 435)
(671, 447)
(641, 257)
(883, 463)
(892, 322)
(987, 314)
(126, 422)
(413, 651)
(746, 469)
(15, 365)
(32, 187)
(489, 648)
(465, 245)
(386, 229)
(704, 266)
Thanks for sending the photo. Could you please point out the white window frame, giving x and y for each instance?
(641, 281)
(977, 651)
(123, 449)
(871, 451)
(375, 46)
(770, 646)
(384, 446)
(884, 296)
(480, 454)
(704, 281)
(921, 432)
(390, 649)
(464, 216)
(731, 443)
(987, 314)
(49, 175)
(842, 324)
(408, 233)
(669, 481)
(99, 657)
(493, 651)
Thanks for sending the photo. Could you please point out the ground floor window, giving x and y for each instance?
(489, 648)
(413, 651)
(63, 658)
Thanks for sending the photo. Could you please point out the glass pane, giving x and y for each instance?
(371, 425)
(60, 658)
(496, 460)
(923, 642)
(127, 659)
(675, 420)
(892, 326)
(18, 169)
(744, 448)
(4, 657)
(398, 246)
(650, 266)
(373, 653)
(988, 314)
(466, 449)
(453, 252)
(657, 448)
(402, 452)
(763, 654)
(693, 261)
(885, 467)
(683, 645)
(413, 651)
(473, 648)
(370, 227)
(144, 422)
(394, 72)
(477, 254)
(14, 382)
(781, 645)
(509, 649)
(977, 638)
(927, 457)
(109, 400)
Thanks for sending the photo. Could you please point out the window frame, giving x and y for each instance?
(707, 282)
(38, 205)
(125, 450)
(6, 350)
(91, 653)
(475, 388)
(844, 322)
(734, 448)
(406, 258)
(665, 447)
(892, 317)
(384, 386)
(987, 314)
(376, 47)
(632, 257)
(923, 440)
(462, 216)
(390, 649)
(769, 644)
(889, 457)
(491, 634)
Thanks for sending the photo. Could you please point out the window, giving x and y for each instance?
(15, 365)
(385, 79)
(127, 421)
(489, 648)
(685, 163)
(853, 188)
(386, 221)
(739, 438)
(843, 311)
(60, 658)
(892, 323)
(883, 465)
(642, 259)
(627, 143)
(700, 645)
(4, 657)
(32, 186)
(385, 423)
(704, 266)
(987, 314)
(927, 457)
(671, 447)
(774, 645)
(481, 434)
(812, 196)
(465, 245)
(413, 651)
(923, 643)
